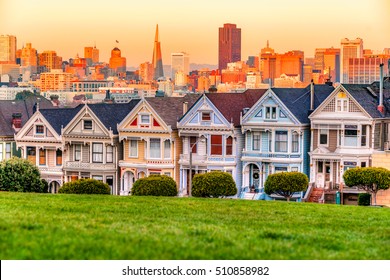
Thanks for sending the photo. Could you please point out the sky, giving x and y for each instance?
(67, 26)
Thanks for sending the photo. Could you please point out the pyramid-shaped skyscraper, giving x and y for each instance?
(158, 71)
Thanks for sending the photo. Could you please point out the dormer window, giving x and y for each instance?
(87, 124)
(341, 102)
(145, 119)
(206, 116)
(270, 113)
(39, 129)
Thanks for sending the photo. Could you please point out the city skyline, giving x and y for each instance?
(69, 26)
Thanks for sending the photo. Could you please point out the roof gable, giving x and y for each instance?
(29, 130)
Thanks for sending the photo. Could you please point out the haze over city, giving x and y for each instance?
(68, 26)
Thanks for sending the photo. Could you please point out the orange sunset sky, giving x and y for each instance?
(66, 26)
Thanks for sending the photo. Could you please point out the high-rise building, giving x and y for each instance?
(229, 48)
(49, 60)
(158, 70)
(91, 54)
(117, 62)
(366, 70)
(146, 72)
(29, 56)
(327, 63)
(55, 80)
(7, 49)
(180, 62)
(349, 49)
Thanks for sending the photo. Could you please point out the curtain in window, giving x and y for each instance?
(155, 148)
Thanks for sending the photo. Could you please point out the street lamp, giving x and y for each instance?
(200, 139)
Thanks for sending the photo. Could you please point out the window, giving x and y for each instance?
(342, 105)
(193, 145)
(363, 140)
(256, 141)
(320, 167)
(167, 149)
(87, 124)
(110, 154)
(97, 152)
(363, 164)
(350, 135)
(8, 150)
(229, 146)
(323, 136)
(145, 119)
(58, 157)
(77, 152)
(294, 169)
(97, 177)
(206, 116)
(281, 141)
(39, 129)
(216, 144)
(1, 151)
(133, 148)
(155, 148)
(42, 157)
(295, 142)
(279, 169)
(270, 113)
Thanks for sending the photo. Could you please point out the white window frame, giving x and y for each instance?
(269, 113)
(36, 127)
(319, 137)
(142, 122)
(135, 155)
(1, 151)
(8, 153)
(84, 128)
(257, 133)
(77, 153)
(97, 153)
(167, 149)
(278, 133)
(205, 113)
(342, 105)
(108, 152)
(294, 133)
(155, 140)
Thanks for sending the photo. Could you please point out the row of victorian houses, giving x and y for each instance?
(320, 130)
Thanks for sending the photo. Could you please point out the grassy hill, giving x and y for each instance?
(44, 226)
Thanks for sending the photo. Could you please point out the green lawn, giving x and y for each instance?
(44, 226)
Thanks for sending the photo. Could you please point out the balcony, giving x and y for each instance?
(203, 159)
(46, 169)
(88, 165)
(269, 155)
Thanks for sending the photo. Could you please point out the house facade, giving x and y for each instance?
(151, 144)
(277, 134)
(211, 135)
(91, 143)
(348, 130)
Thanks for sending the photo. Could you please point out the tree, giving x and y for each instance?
(24, 94)
(20, 175)
(213, 184)
(370, 179)
(155, 185)
(286, 184)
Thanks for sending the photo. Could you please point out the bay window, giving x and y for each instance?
(350, 135)
(110, 154)
(256, 141)
(167, 149)
(295, 142)
(229, 146)
(133, 148)
(281, 141)
(216, 144)
(97, 152)
(155, 148)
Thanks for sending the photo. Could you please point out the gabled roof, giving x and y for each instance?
(170, 109)
(59, 118)
(367, 95)
(25, 107)
(297, 100)
(231, 104)
(112, 114)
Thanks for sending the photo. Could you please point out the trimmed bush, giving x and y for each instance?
(364, 199)
(286, 184)
(85, 186)
(213, 184)
(20, 175)
(155, 185)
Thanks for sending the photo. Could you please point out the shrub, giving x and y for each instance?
(20, 175)
(364, 199)
(85, 186)
(286, 184)
(155, 185)
(213, 184)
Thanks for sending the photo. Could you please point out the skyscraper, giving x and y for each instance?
(180, 62)
(7, 49)
(229, 48)
(117, 62)
(349, 49)
(91, 54)
(158, 70)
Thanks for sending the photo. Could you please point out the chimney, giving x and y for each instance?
(185, 108)
(312, 96)
(381, 108)
(16, 120)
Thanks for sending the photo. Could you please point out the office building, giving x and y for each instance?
(92, 55)
(117, 62)
(49, 60)
(180, 62)
(7, 49)
(229, 47)
(157, 63)
(349, 49)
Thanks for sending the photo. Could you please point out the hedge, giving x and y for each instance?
(155, 185)
(213, 184)
(85, 186)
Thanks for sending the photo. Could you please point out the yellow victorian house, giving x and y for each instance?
(151, 144)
